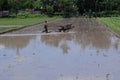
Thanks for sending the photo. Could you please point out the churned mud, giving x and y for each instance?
(89, 51)
(79, 24)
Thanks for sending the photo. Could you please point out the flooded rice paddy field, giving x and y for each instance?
(85, 53)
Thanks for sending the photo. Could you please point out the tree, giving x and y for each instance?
(37, 4)
(1, 4)
(65, 7)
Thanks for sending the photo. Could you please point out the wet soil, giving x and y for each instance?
(89, 51)
(80, 24)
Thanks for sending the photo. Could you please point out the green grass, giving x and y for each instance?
(24, 21)
(112, 22)
(6, 29)
(21, 22)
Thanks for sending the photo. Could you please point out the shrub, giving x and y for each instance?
(107, 13)
(13, 15)
(35, 15)
(22, 14)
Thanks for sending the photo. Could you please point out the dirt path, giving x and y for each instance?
(80, 25)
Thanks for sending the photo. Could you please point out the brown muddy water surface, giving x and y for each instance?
(85, 55)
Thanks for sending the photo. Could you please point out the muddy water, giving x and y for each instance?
(64, 56)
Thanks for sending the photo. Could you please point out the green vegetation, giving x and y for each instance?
(112, 22)
(24, 21)
(14, 23)
(2, 30)
(64, 7)
(27, 12)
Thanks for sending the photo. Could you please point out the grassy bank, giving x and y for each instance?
(14, 23)
(112, 22)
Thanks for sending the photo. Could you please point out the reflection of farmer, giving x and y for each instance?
(46, 27)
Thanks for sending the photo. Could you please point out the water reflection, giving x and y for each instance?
(57, 40)
(41, 57)
(97, 40)
(15, 41)
(117, 42)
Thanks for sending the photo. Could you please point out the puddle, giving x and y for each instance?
(67, 56)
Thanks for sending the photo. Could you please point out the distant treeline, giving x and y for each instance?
(66, 8)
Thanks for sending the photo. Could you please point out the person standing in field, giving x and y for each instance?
(46, 27)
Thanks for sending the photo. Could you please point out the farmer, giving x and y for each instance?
(46, 27)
